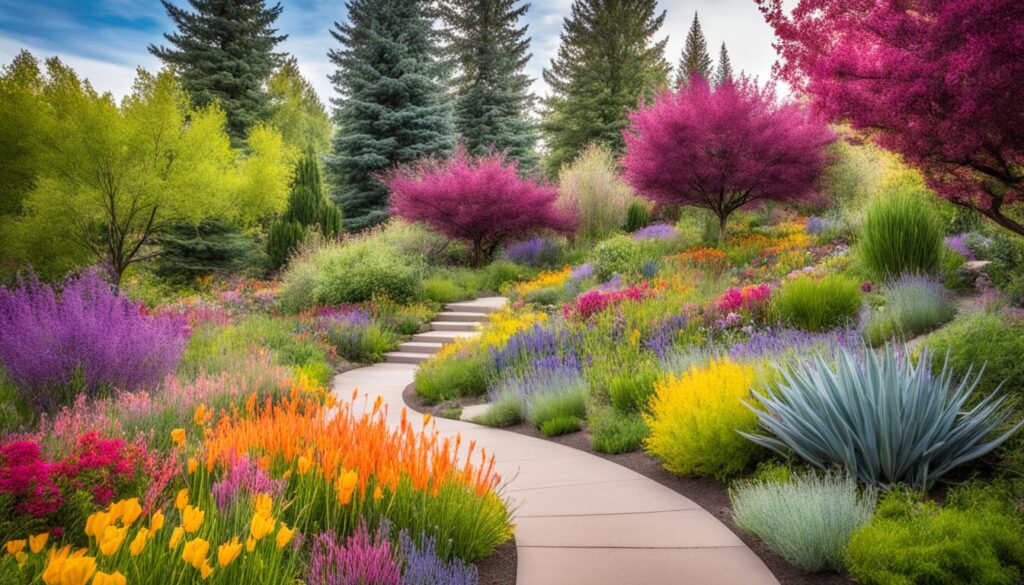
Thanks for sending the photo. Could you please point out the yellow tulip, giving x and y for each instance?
(115, 578)
(21, 557)
(195, 552)
(15, 546)
(264, 505)
(176, 536)
(345, 485)
(157, 521)
(139, 542)
(181, 500)
(112, 538)
(37, 542)
(96, 523)
(131, 511)
(205, 571)
(305, 463)
(192, 518)
(77, 570)
(228, 552)
(250, 544)
(284, 535)
(178, 436)
(192, 465)
(116, 510)
(54, 564)
(261, 526)
(378, 494)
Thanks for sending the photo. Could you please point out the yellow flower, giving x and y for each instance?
(192, 518)
(157, 521)
(139, 542)
(112, 539)
(205, 571)
(176, 536)
(55, 564)
(96, 523)
(378, 494)
(116, 578)
(116, 510)
(15, 546)
(250, 544)
(21, 557)
(130, 511)
(261, 526)
(195, 552)
(77, 570)
(37, 542)
(345, 485)
(178, 436)
(228, 552)
(284, 535)
(426, 418)
(264, 505)
(202, 415)
(192, 465)
(182, 499)
(305, 463)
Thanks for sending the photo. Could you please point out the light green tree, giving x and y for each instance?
(296, 111)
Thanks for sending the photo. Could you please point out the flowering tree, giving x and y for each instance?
(937, 81)
(724, 147)
(480, 201)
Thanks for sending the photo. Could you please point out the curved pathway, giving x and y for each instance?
(580, 519)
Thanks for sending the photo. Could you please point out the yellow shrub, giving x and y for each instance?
(545, 279)
(694, 418)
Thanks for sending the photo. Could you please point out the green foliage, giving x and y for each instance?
(978, 542)
(561, 425)
(638, 215)
(551, 295)
(1006, 254)
(451, 377)
(283, 240)
(496, 275)
(567, 403)
(818, 304)
(620, 254)
(441, 290)
(588, 102)
(359, 269)
(224, 36)
(188, 251)
(295, 110)
(392, 110)
(630, 388)
(913, 306)
(612, 431)
(901, 234)
(695, 60)
(506, 411)
(593, 188)
(307, 207)
(361, 345)
(807, 520)
(992, 340)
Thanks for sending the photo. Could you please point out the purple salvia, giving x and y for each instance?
(424, 567)
(656, 231)
(363, 559)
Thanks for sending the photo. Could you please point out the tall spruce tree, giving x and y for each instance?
(224, 52)
(723, 73)
(308, 207)
(489, 50)
(390, 109)
(607, 62)
(695, 59)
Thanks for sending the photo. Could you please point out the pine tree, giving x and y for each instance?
(607, 62)
(488, 49)
(391, 108)
(695, 59)
(723, 74)
(307, 206)
(224, 52)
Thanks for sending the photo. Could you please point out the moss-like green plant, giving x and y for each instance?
(818, 304)
(612, 431)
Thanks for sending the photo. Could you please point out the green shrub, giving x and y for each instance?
(807, 520)
(592, 187)
(978, 542)
(451, 377)
(283, 240)
(506, 411)
(360, 269)
(561, 425)
(550, 295)
(188, 251)
(493, 277)
(990, 339)
(914, 305)
(617, 255)
(612, 431)
(361, 344)
(1006, 253)
(818, 304)
(403, 319)
(630, 389)
(901, 234)
(565, 403)
(638, 216)
(441, 290)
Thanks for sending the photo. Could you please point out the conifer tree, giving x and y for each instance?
(224, 52)
(723, 74)
(607, 63)
(489, 49)
(390, 108)
(307, 206)
(695, 59)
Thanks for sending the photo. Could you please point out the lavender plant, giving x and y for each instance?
(363, 558)
(422, 566)
(536, 252)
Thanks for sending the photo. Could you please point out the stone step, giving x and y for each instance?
(485, 305)
(403, 357)
(450, 316)
(444, 337)
(455, 326)
(420, 347)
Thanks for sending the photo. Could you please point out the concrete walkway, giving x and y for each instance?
(580, 519)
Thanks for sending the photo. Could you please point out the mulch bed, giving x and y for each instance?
(500, 567)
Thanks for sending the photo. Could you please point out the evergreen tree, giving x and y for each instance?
(307, 206)
(723, 74)
(224, 52)
(695, 59)
(391, 108)
(608, 61)
(488, 48)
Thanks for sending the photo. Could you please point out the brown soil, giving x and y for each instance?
(500, 567)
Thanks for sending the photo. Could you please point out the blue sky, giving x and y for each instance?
(105, 40)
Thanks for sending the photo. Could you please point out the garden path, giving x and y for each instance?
(580, 519)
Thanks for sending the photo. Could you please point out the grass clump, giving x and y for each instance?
(558, 405)
(451, 376)
(506, 411)
(901, 234)
(561, 425)
(807, 519)
(818, 304)
(913, 305)
(990, 339)
(612, 431)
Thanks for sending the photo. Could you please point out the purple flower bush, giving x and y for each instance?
(424, 567)
(958, 244)
(780, 342)
(537, 252)
(245, 479)
(85, 338)
(363, 559)
(656, 231)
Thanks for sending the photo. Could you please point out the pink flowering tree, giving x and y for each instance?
(478, 200)
(724, 147)
(939, 82)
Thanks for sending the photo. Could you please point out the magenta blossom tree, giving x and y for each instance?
(724, 147)
(478, 200)
(938, 81)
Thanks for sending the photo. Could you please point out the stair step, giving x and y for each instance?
(444, 337)
(455, 326)
(450, 316)
(473, 307)
(403, 357)
(420, 347)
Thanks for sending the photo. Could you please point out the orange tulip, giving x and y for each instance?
(178, 436)
(37, 542)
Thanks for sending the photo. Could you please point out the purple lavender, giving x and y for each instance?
(363, 559)
(582, 272)
(244, 478)
(424, 567)
(536, 252)
(819, 225)
(87, 336)
(663, 335)
(775, 343)
(533, 346)
(958, 244)
(656, 231)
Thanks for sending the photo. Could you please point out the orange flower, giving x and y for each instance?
(304, 464)
(192, 518)
(202, 415)
(264, 505)
(345, 485)
(115, 578)
(96, 523)
(378, 494)
(181, 500)
(250, 544)
(193, 465)
(228, 552)
(37, 542)
(195, 552)
(261, 526)
(15, 546)
(284, 536)
(111, 541)
(130, 511)
(157, 521)
(139, 542)
(205, 571)
(178, 436)
(176, 536)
